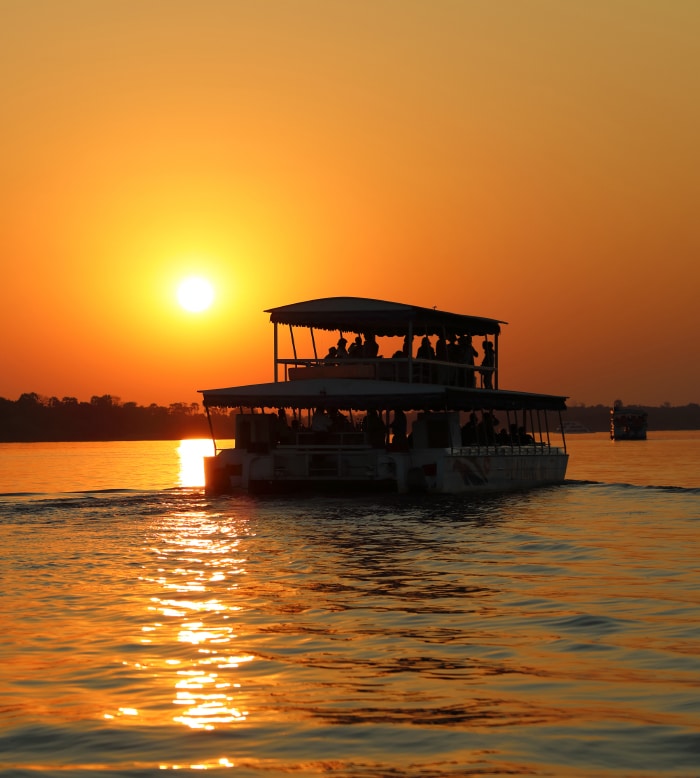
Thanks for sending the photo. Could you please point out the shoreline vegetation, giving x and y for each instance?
(35, 419)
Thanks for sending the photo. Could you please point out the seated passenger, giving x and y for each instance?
(470, 430)
(425, 350)
(355, 350)
(332, 355)
(524, 437)
(341, 351)
(504, 438)
(486, 433)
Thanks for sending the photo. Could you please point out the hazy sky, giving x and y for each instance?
(535, 161)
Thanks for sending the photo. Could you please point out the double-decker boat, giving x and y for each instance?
(386, 413)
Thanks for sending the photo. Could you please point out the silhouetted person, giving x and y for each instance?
(442, 371)
(470, 430)
(370, 347)
(284, 433)
(524, 437)
(374, 429)
(332, 354)
(426, 351)
(441, 349)
(488, 361)
(454, 354)
(505, 438)
(356, 349)
(487, 428)
(341, 351)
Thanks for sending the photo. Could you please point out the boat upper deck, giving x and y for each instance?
(309, 369)
(395, 357)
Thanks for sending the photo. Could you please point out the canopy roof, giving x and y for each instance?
(362, 395)
(362, 314)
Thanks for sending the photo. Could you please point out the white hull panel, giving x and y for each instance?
(437, 471)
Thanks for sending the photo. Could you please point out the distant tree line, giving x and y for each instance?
(32, 418)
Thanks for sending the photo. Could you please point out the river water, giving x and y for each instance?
(149, 628)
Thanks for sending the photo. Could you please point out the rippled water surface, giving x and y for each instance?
(146, 627)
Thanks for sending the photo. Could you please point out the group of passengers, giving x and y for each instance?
(457, 349)
(482, 432)
(369, 349)
(323, 422)
(331, 420)
(327, 421)
(475, 432)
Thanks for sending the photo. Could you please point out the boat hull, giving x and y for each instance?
(624, 434)
(468, 470)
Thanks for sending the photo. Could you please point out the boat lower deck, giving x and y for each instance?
(362, 468)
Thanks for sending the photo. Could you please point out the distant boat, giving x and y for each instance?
(324, 449)
(627, 422)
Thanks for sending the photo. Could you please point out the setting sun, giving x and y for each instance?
(195, 294)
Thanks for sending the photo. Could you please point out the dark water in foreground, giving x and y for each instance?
(146, 628)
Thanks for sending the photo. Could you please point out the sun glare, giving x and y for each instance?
(195, 294)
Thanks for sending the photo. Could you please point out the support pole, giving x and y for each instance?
(495, 361)
(561, 427)
(211, 428)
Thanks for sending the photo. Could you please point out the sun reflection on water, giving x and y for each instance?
(199, 563)
(191, 454)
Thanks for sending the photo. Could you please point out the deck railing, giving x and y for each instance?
(423, 371)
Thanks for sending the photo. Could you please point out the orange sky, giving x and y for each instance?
(528, 160)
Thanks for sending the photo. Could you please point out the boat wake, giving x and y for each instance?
(624, 485)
